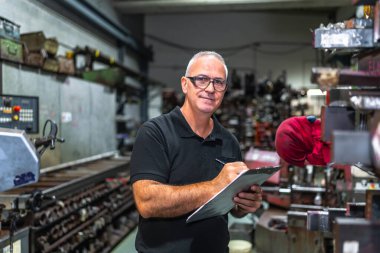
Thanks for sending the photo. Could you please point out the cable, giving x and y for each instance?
(230, 51)
(191, 49)
(49, 140)
(51, 127)
(290, 51)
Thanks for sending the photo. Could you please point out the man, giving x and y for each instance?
(174, 168)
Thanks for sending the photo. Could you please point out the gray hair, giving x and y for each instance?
(206, 53)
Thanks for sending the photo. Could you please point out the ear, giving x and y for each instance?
(184, 84)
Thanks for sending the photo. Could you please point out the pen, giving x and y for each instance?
(219, 161)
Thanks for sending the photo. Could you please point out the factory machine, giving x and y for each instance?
(80, 206)
(334, 208)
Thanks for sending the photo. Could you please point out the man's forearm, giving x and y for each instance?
(154, 199)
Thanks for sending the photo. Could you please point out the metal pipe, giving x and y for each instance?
(80, 161)
(97, 18)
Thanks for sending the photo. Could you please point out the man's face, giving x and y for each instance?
(204, 99)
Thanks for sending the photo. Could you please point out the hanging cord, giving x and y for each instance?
(49, 140)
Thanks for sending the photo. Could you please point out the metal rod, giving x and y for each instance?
(80, 161)
(1, 77)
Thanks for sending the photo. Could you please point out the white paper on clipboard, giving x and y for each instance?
(222, 203)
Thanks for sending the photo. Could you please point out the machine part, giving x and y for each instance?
(61, 182)
(366, 102)
(343, 38)
(334, 213)
(298, 188)
(304, 208)
(266, 238)
(351, 147)
(310, 195)
(356, 235)
(318, 221)
(79, 162)
(375, 143)
(355, 209)
(322, 221)
(48, 140)
(19, 112)
(300, 239)
(96, 191)
(20, 241)
(336, 118)
(331, 78)
(372, 207)
(327, 78)
(36, 199)
(339, 97)
(297, 219)
(19, 162)
(368, 61)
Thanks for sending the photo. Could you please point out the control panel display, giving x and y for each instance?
(19, 112)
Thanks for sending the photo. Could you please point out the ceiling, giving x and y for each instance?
(188, 6)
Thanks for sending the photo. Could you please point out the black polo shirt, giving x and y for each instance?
(168, 151)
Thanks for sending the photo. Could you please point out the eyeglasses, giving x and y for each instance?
(203, 82)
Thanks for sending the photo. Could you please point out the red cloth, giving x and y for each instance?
(298, 139)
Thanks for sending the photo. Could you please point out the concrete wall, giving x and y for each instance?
(92, 106)
(230, 30)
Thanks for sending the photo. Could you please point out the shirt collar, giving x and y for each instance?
(184, 129)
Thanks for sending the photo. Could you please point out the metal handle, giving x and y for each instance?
(12, 50)
(8, 28)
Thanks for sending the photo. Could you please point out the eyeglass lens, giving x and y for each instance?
(204, 81)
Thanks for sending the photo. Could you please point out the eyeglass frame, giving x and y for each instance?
(212, 80)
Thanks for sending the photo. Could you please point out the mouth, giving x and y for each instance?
(207, 98)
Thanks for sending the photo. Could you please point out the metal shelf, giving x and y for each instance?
(330, 38)
(297, 188)
(329, 77)
(364, 2)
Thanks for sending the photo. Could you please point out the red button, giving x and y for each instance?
(16, 108)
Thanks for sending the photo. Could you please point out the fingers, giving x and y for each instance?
(249, 201)
(251, 208)
(245, 198)
(256, 189)
(236, 167)
(228, 173)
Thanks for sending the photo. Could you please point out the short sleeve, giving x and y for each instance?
(149, 160)
(237, 149)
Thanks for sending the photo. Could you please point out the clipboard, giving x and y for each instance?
(221, 203)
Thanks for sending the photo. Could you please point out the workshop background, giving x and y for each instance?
(78, 78)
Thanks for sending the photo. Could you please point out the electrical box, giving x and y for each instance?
(19, 112)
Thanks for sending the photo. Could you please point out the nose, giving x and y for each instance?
(210, 87)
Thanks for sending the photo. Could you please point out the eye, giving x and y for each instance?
(219, 81)
(202, 78)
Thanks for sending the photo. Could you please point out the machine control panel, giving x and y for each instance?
(19, 112)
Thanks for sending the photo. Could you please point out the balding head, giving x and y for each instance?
(205, 54)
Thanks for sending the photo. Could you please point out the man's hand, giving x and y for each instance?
(154, 199)
(247, 202)
(228, 173)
